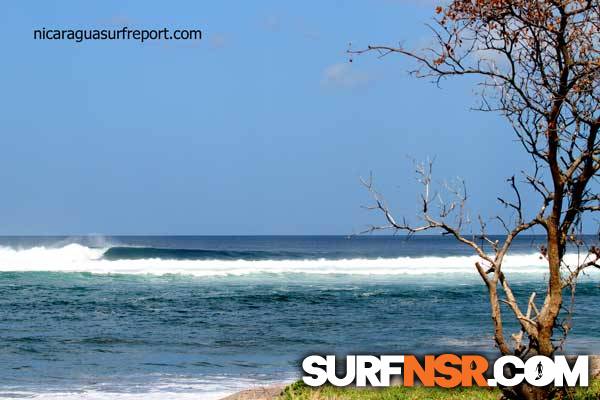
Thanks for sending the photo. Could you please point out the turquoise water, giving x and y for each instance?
(196, 317)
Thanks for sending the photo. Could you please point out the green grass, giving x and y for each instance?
(300, 391)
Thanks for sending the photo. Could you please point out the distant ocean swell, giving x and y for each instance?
(162, 261)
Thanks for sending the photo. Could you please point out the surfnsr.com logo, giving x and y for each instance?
(445, 370)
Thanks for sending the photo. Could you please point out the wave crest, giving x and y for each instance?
(140, 253)
(78, 258)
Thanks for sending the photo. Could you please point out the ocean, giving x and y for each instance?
(182, 317)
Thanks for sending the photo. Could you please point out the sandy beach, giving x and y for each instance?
(258, 393)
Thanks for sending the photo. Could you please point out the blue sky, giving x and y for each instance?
(263, 127)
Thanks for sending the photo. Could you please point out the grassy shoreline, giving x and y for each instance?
(300, 391)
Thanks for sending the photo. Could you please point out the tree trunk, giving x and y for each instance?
(551, 308)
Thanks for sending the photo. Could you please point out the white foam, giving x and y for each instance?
(170, 388)
(78, 258)
(99, 395)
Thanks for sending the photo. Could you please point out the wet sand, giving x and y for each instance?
(258, 393)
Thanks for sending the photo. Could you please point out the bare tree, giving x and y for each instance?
(538, 66)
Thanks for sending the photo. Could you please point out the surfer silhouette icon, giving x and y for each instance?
(539, 369)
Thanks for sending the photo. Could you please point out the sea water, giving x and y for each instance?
(200, 317)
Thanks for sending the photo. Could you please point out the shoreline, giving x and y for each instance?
(267, 392)
(271, 392)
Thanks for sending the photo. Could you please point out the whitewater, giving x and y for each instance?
(79, 258)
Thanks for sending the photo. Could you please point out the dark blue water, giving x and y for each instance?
(120, 324)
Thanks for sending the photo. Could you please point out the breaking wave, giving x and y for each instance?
(156, 261)
(140, 253)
